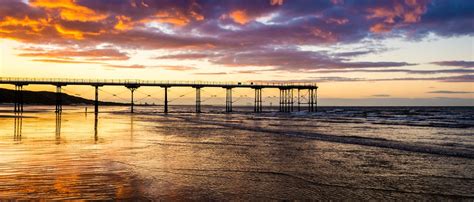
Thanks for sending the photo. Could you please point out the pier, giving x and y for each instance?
(286, 103)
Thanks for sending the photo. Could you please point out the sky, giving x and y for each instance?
(360, 52)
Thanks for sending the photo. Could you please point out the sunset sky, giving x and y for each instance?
(394, 52)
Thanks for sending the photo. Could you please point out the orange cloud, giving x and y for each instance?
(276, 2)
(69, 10)
(410, 12)
(174, 17)
(178, 68)
(94, 54)
(65, 61)
(123, 23)
(326, 35)
(68, 33)
(240, 16)
(379, 28)
(126, 66)
(10, 24)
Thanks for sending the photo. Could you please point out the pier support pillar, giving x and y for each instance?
(96, 101)
(312, 100)
(132, 89)
(290, 100)
(18, 98)
(166, 100)
(316, 100)
(280, 109)
(198, 99)
(258, 100)
(59, 101)
(228, 100)
(299, 100)
(286, 100)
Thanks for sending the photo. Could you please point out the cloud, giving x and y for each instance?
(296, 22)
(186, 56)
(65, 61)
(292, 60)
(177, 68)
(262, 33)
(408, 71)
(126, 66)
(460, 78)
(239, 16)
(454, 63)
(450, 92)
(210, 73)
(247, 72)
(68, 10)
(381, 95)
(94, 54)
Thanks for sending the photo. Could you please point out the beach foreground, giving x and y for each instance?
(349, 153)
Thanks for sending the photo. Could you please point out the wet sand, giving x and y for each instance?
(183, 156)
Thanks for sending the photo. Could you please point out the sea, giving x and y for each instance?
(336, 153)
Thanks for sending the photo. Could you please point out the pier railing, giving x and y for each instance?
(12, 80)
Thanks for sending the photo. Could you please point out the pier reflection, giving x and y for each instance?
(18, 126)
(58, 128)
(96, 122)
(131, 127)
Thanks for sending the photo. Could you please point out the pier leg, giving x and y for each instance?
(287, 100)
(96, 102)
(22, 101)
(15, 99)
(299, 101)
(316, 99)
(132, 103)
(311, 100)
(132, 89)
(198, 99)
(18, 98)
(258, 100)
(59, 107)
(281, 98)
(291, 99)
(166, 100)
(228, 100)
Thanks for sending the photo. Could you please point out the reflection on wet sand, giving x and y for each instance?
(58, 127)
(96, 122)
(18, 125)
(153, 156)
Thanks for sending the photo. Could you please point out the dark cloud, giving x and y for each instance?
(408, 71)
(454, 63)
(450, 92)
(186, 56)
(223, 24)
(247, 72)
(126, 66)
(381, 95)
(291, 59)
(462, 78)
